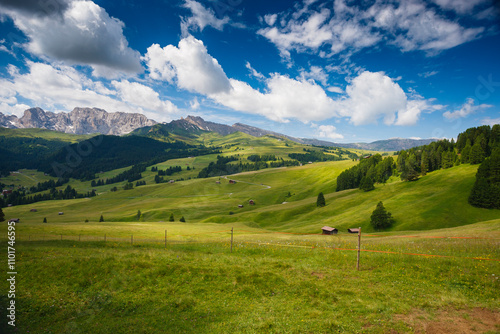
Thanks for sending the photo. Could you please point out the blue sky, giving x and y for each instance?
(342, 71)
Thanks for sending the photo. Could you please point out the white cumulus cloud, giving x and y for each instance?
(83, 34)
(466, 109)
(64, 88)
(202, 17)
(350, 27)
(329, 131)
(189, 65)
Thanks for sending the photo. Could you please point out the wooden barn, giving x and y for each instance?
(240, 206)
(33, 210)
(329, 230)
(353, 230)
(251, 202)
(61, 213)
(15, 220)
(232, 182)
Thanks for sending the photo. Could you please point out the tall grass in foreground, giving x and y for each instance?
(270, 284)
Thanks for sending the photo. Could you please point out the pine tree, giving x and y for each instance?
(477, 153)
(366, 184)
(2, 215)
(182, 219)
(380, 218)
(465, 154)
(424, 164)
(171, 219)
(320, 202)
(45, 220)
(101, 219)
(138, 216)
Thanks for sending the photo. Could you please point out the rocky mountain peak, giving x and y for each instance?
(78, 121)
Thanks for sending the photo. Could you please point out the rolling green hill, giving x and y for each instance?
(285, 200)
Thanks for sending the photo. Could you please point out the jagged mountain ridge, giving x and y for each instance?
(78, 121)
(95, 120)
(196, 124)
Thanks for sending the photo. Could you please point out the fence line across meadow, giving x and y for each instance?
(226, 237)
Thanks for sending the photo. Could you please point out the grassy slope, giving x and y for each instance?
(45, 134)
(96, 287)
(437, 200)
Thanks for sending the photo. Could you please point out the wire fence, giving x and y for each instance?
(428, 246)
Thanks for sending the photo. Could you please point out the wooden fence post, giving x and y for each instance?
(359, 245)
(132, 239)
(165, 238)
(231, 239)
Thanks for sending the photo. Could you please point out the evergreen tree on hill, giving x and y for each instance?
(320, 202)
(381, 218)
(2, 215)
(366, 184)
(486, 190)
(477, 153)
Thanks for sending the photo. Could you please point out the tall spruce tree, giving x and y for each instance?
(320, 201)
(477, 153)
(486, 190)
(2, 215)
(381, 218)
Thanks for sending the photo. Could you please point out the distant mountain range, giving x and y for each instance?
(94, 120)
(78, 121)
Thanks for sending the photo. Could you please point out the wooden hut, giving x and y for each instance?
(251, 202)
(33, 210)
(353, 230)
(61, 213)
(329, 230)
(232, 182)
(15, 220)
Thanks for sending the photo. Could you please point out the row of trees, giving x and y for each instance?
(223, 166)
(486, 190)
(130, 175)
(364, 174)
(314, 156)
(20, 197)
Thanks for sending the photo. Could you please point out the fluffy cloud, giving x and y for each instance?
(459, 6)
(201, 18)
(329, 131)
(372, 96)
(368, 97)
(466, 109)
(189, 65)
(285, 98)
(83, 34)
(140, 96)
(63, 87)
(317, 74)
(490, 121)
(410, 25)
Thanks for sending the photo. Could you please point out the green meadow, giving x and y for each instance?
(439, 263)
(269, 283)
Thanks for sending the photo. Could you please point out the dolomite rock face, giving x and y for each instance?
(78, 121)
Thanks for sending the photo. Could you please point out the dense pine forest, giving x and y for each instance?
(479, 145)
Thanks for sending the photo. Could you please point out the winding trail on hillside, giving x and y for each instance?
(255, 184)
